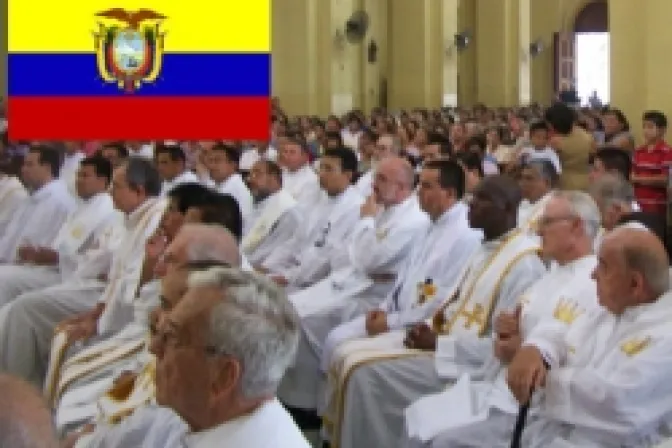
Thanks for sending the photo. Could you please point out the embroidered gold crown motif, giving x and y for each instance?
(566, 311)
(382, 234)
(635, 345)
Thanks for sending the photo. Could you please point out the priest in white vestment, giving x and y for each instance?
(38, 220)
(201, 347)
(78, 244)
(298, 177)
(390, 225)
(28, 323)
(12, 195)
(607, 381)
(171, 162)
(274, 217)
(222, 163)
(394, 369)
(384, 148)
(537, 180)
(92, 385)
(614, 196)
(433, 266)
(567, 228)
(320, 244)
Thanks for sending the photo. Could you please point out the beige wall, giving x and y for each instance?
(548, 18)
(313, 75)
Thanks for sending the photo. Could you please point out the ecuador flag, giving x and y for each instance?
(139, 69)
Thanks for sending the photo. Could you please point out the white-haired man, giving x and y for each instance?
(605, 381)
(28, 323)
(85, 378)
(567, 227)
(221, 353)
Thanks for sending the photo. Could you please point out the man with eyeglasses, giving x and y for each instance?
(396, 368)
(220, 354)
(567, 227)
(195, 247)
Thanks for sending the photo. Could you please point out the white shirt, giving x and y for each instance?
(146, 151)
(302, 184)
(531, 154)
(38, 220)
(185, 177)
(235, 186)
(69, 170)
(252, 156)
(12, 195)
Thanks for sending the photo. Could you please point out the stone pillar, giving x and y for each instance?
(525, 59)
(498, 52)
(423, 61)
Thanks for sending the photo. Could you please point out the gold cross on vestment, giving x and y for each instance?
(475, 317)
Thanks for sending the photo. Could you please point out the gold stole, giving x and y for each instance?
(125, 397)
(340, 375)
(260, 230)
(60, 344)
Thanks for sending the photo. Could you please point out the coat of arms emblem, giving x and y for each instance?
(129, 54)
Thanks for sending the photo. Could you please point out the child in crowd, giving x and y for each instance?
(651, 165)
(539, 149)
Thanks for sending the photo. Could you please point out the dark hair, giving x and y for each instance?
(471, 161)
(615, 159)
(656, 117)
(538, 126)
(223, 210)
(561, 117)
(370, 134)
(620, 116)
(189, 195)
(346, 156)
(435, 138)
(451, 175)
(334, 136)
(546, 169)
(141, 173)
(48, 156)
(121, 149)
(232, 153)
(478, 141)
(101, 166)
(299, 140)
(174, 152)
(273, 169)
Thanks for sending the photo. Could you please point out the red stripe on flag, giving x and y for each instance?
(138, 118)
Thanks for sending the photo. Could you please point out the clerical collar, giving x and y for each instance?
(453, 212)
(44, 190)
(587, 261)
(339, 196)
(225, 181)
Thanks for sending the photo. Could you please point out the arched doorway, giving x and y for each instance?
(591, 31)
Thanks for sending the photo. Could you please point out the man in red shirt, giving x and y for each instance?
(651, 165)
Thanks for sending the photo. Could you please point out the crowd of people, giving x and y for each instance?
(381, 280)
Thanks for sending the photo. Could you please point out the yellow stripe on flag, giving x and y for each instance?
(200, 26)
